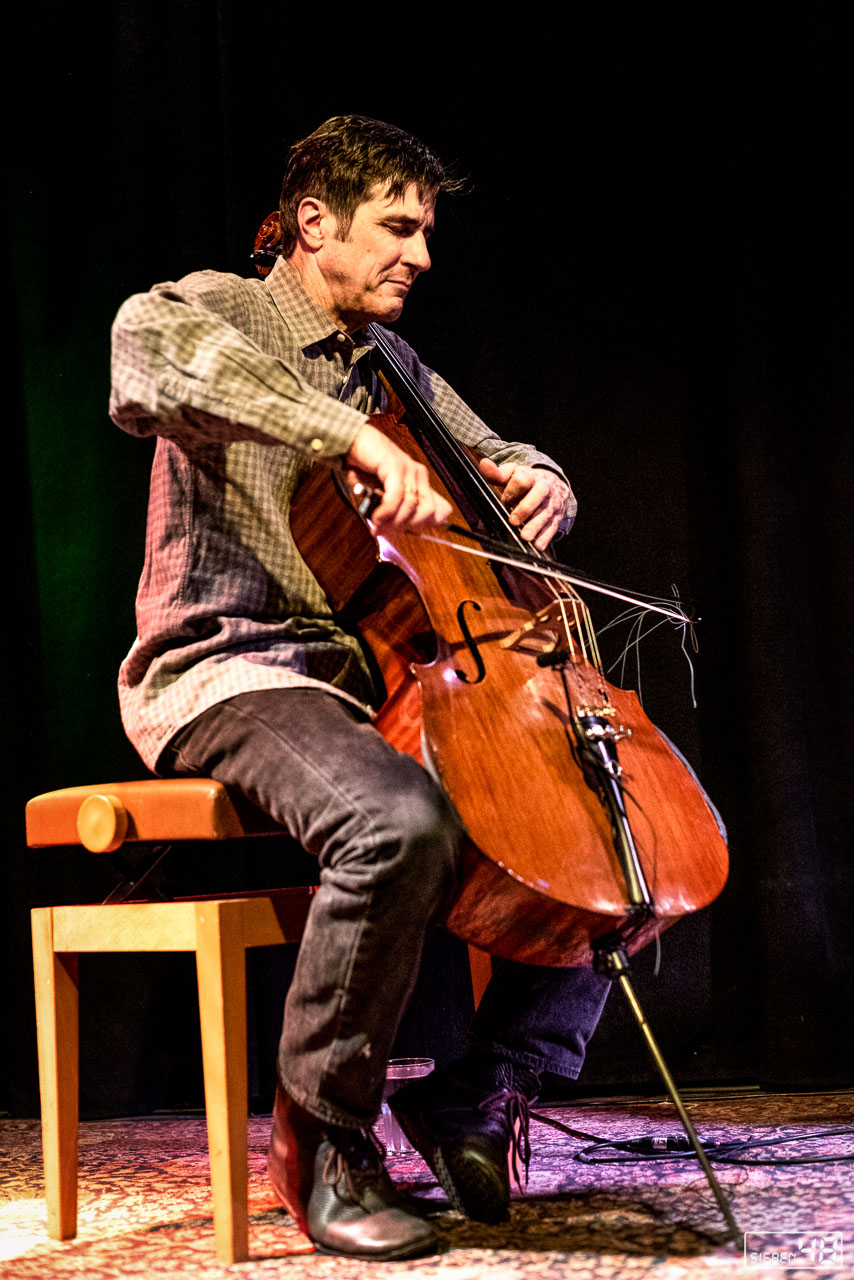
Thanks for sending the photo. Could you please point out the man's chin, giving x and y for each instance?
(388, 311)
(377, 309)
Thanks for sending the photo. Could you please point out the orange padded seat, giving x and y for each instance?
(157, 810)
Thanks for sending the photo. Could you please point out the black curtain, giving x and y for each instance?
(649, 278)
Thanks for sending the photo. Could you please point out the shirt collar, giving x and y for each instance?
(310, 324)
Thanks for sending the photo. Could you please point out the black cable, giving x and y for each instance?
(731, 1150)
(640, 1150)
(564, 1128)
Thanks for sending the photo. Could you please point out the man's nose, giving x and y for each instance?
(417, 254)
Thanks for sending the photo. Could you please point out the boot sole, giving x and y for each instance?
(472, 1183)
(422, 1249)
(415, 1247)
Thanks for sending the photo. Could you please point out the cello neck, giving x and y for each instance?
(452, 461)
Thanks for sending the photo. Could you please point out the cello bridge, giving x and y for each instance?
(542, 631)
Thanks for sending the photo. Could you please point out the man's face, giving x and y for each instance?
(369, 273)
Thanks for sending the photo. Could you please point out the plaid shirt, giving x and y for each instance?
(246, 384)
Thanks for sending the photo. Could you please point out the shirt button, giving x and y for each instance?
(316, 445)
(340, 337)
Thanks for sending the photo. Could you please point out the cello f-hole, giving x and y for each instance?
(471, 644)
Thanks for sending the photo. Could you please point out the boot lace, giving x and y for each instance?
(517, 1117)
(353, 1152)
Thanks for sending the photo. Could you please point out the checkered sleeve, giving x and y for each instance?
(182, 369)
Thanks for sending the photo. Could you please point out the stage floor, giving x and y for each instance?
(145, 1200)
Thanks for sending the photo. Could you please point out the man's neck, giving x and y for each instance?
(315, 285)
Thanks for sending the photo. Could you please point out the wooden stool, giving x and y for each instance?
(217, 929)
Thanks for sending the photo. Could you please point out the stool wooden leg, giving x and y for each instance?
(56, 1021)
(221, 970)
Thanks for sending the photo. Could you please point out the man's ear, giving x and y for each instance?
(315, 222)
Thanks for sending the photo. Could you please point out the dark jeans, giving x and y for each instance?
(386, 839)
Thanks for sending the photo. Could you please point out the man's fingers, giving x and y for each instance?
(408, 499)
(525, 503)
(492, 472)
(409, 503)
(542, 528)
(534, 496)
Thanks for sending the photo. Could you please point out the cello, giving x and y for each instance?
(587, 833)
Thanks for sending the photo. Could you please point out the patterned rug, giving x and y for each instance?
(589, 1210)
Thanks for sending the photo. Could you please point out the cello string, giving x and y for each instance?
(635, 637)
(634, 617)
(461, 460)
(531, 558)
(574, 600)
(685, 628)
(674, 614)
(561, 601)
(636, 634)
(529, 561)
(594, 639)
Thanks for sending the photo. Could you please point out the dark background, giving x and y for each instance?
(649, 277)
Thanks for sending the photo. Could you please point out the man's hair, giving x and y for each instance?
(345, 160)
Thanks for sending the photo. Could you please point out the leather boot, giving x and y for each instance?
(470, 1123)
(334, 1184)
(355, 1209)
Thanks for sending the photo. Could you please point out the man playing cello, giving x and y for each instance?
(242, 672)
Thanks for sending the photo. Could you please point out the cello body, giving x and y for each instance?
(456, 642)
